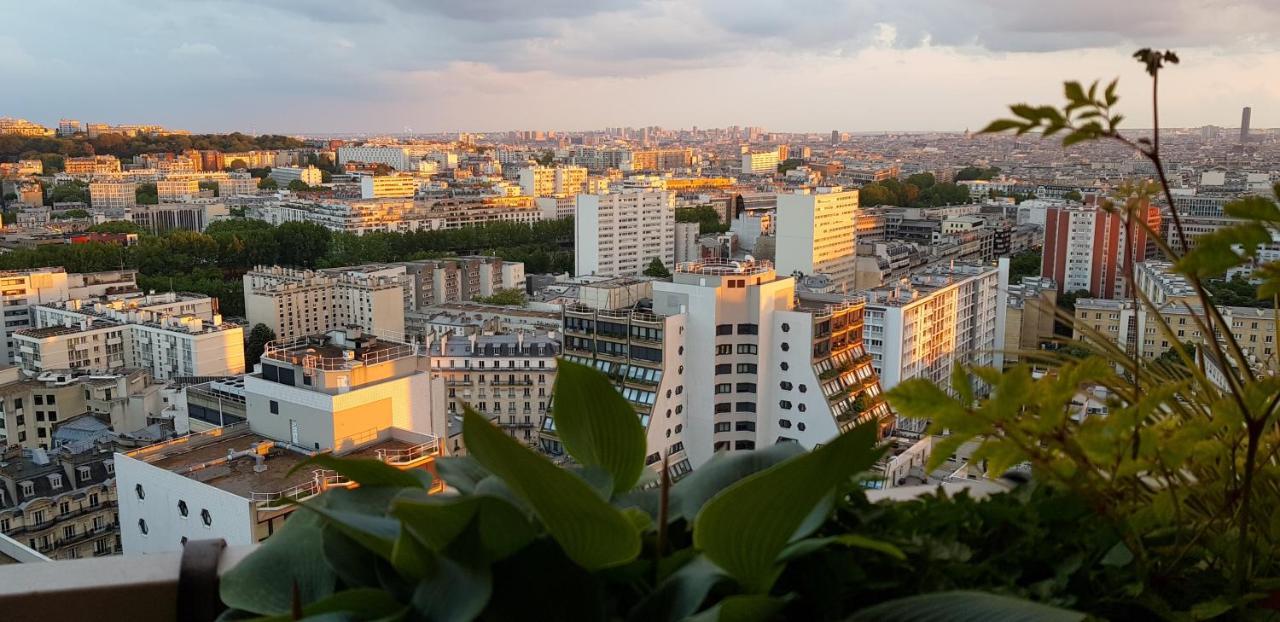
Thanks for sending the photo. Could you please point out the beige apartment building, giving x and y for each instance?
(113, 195)
(620, 233)
(177, 189)
(1029, 316)
(62, 504)
(817, 233)
(295, 303)
(506, 377)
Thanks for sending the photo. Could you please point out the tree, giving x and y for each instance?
(210, 185)
(969, 173)
(268, 183)
(71, 213)
(707, 217)
(657, 269)
(302, 243)
(146, 194)
(1073, 195)
(921, 180)
(256, 343)
(297, 185)
(238, 164)
(507, 297)
(1026, 263)
(68, 192)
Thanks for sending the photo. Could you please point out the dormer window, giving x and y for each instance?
(83, 473)
(28, 488)
(55, 481)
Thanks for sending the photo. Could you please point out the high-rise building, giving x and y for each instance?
(343, 393)
(387, 186)
(113, 195)
(921, 326)
(817, 233)
(309, 175)
(92, 165)
(69, 127)
(1244, 124)
(177, 189)
(542, 181)
(22, 290)
(835, 136)
(295, 303)
(620, 233)
(760, 162)
(687, 245)
(438, 281)
(235, 186)
(506, 377)
(1085, 248)
(727, 357)
(395, 157)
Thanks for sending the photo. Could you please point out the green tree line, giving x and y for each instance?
(919, 190)
(52, 150)
(214, 261)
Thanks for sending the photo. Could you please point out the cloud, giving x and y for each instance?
(188, 49)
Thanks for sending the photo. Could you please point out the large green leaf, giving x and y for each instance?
(745, 528)
(592, 533)
(743, 608)
(357, 604)
(597, 426)
(263, 582)
(376, 533)
(964, 607)
(436, 521)
(723, 469)
(369, 472)
(462, 473)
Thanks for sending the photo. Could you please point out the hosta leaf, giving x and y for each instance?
(592, 533)
(679, 596)
(743, 608)
(719, 472)
(356, 604)
(745, 528)
(263, 582)
(367, 471)
(964, 607)
(597, 426)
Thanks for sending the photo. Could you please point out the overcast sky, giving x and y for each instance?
(295, 66)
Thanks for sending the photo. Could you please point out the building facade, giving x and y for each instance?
(620, 233)
(817, 233)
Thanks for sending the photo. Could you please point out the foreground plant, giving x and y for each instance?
(520, 538)
(1183, 469)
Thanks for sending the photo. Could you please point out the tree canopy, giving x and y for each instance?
(706, 216)
(970, 173)
(657, 269)
(920, 190)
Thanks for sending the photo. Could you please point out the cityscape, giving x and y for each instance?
(726, 372)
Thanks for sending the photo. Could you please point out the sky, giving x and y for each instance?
(315, 66)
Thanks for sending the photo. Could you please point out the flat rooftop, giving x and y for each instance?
(238, 477)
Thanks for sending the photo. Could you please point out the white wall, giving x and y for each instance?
(232, 515)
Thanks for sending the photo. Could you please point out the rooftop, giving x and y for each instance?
(338, 349)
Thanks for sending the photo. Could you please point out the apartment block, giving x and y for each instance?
(234, 186)
(193, 215)
(438, 281)
(1029, 316)
(387, 186)
(309, 175)
(295, 303)
(177, 189)
(760, 162)
(33, 408)
(92, 165)
(395, 157)
(620, 233)
(20, 290)
(652, 160)
(922, 326)
(60, 503)
(1085, 248)
(817, 233)
(728, 357)
(507, 377)
(688, 247)
(166, 335)
(543, 181)
(113, 195)
(343, 393)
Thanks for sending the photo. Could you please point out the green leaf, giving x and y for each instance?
(1075, 93)
(365, 471)
(964, 607)
(410, 558)
(263, 582)
(592, 533)
(1001, 125)
(743, 608)
(597, 426)
(454, 592)
(376, 533)
(723, 469)
(745, 528)
(679, 596)
(461, 473)
(1211, 609)
(360, 604)
(1253, 208)
(1110, 95)
(1118, 556)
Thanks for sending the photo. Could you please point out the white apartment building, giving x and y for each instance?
(395, 157)
(107, 335)
(113, 194)
(507, 377)
(619, 233)
(542, 181)
(387, 186)
(343, 393)
(437, 281)
(555, 208)
(760, 163)
(816, 233)
(310, 175)
(295, 303)
(727, 357)
(235, 186)
(687, 245)
(921, 326)
(22, 290)
(177, 189)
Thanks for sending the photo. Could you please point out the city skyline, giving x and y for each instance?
(390, 66)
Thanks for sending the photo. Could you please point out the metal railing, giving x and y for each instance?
(303, 352)
(159, 451)
(410, 455)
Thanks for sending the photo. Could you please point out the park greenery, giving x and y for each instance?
(919, 190)
(707, 217)
(971, 173)
(656, 269)
(1026, 263)
(53, 151)
(1237, 291)
(213, 262)
(777, 533)
(513, 297)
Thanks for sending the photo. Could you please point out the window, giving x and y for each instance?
(802, 388)
(28, 489)
(55, 481)
(724, 329)
(746, 387)
(786, 346)
(724, 387)
(784, 423)
(745, 426)
(206, 517)
(748, 329)
(723, 426)
(784, 405)
(723, 407)
(64, 507)
(747, 348)
(745, 407)
(785, 366)
(721, 350)
(800, 426)
(744, 445)
(182, 508)
(142, 494)
(39, 400)
(724, 368)
(69, 532)
(785, 385)
(93, 500)
(142, 526)
(275, 407)
(746, 368)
